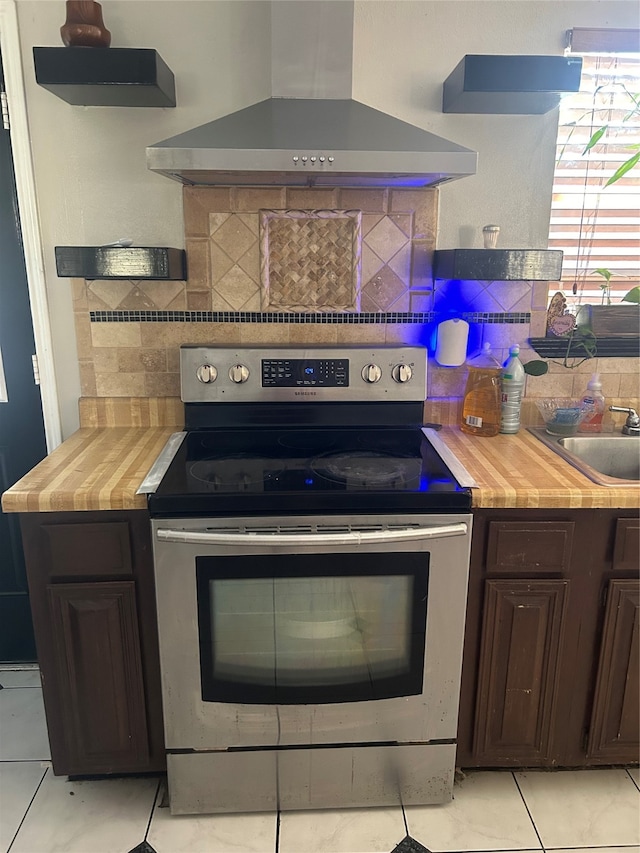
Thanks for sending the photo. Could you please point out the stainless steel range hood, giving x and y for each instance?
(311, 132)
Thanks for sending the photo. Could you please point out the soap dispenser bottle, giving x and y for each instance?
(593, 401)
(481, 402)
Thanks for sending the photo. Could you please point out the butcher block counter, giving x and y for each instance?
(100, 468)
(94, 469)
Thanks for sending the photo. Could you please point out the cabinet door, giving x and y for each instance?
(518, 673)
(613, 735)
(96, 650)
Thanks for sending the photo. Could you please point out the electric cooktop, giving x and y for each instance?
(306, 470)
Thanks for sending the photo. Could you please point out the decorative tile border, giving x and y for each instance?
(301, 317)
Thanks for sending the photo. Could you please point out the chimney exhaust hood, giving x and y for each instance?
(310, 132)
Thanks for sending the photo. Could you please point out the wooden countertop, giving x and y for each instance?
(101, 468)
(96, 468)
(520, 471)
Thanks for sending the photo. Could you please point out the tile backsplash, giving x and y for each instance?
(308, 266)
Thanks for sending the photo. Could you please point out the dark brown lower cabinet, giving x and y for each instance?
(516, 689)
(92, 595)
(613, 735)
(550, 671)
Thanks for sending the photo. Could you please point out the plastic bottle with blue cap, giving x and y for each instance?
(512, 389)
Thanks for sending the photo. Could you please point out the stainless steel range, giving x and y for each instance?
(311, 556)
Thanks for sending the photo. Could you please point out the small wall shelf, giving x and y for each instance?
(116, 262)
(525, 85)
(106, 76)
(613, 347)
(498, 264)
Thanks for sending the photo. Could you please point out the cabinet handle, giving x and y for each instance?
(208, 537)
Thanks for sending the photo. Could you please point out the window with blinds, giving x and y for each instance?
(598, 227)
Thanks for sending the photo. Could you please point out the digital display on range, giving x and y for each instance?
(305, 373)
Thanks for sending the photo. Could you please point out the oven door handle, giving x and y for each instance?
(355, 537)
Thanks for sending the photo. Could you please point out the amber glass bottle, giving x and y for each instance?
(481, 406)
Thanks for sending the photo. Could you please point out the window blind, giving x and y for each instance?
(598, 227)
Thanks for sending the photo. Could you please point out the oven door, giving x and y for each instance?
(303, 630)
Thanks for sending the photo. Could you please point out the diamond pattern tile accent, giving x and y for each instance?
(111, 293)
(221, 263)
(404, 221)
(509, 293)
(136, 300)
(371, 263)
(385, 288)
(236, 287)
(218, 303)
(464, 295)
(400, 263)
(386, 239)
(369, 221)
(251, 220)
(161, 293)
(250, 263)
(235, 237)
(216, 220)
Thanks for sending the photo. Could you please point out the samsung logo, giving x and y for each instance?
(305, 394)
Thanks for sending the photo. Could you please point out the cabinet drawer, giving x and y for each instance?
(84, 549)
(537, 546)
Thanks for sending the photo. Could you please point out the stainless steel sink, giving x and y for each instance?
(610, 460)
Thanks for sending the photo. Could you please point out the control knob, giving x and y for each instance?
(238, 374)
(371, 373)
(206, 373)
(402, 373)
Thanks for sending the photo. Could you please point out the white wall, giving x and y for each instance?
(405, 50)
(92, 182)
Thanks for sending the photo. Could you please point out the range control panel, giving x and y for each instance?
(305, 372)
(290, 374)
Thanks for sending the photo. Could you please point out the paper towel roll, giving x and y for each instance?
(451, 347)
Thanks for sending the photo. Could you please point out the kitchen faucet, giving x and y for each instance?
(632, 424)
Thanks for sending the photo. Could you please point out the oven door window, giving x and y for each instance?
(307, 629)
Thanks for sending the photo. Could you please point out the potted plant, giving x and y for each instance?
(610, 319)
(621, 319)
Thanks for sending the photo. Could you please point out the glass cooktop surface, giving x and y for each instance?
(306, 470)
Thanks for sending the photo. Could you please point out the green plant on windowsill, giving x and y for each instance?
(598, 136)
(633, 296)
(581, 342)
(579, 338)
(629, 165)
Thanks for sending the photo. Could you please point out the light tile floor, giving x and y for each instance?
(590, 811)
